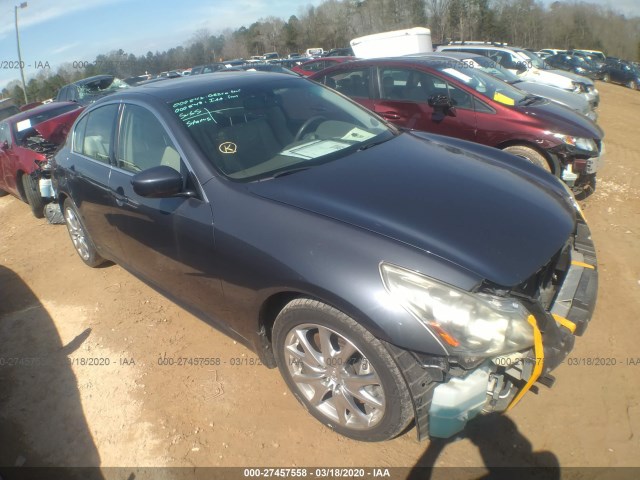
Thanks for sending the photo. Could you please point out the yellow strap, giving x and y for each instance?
(582, 264)
(565, 322)
(539, 359)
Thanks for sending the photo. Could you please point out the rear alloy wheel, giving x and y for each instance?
(606, 77)
(79, 236)
(341, 373)
(32, 192)
(530, 154)
(632, 85)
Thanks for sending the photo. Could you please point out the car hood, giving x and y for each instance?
(55, 129)
(572, 76)
(484, 210)
(571, 100)
(560, 119)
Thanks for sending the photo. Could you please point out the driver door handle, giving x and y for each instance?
(389, 115)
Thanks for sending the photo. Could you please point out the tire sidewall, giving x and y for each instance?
(531, 155)
(32, 192)
(395, 390)
(94, 258)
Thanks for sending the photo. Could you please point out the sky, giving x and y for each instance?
(57, 31)
(54, 32)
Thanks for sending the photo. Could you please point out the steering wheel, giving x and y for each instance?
(307, 124)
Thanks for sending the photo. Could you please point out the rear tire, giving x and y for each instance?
(81, 241)
(32, 192)
(530, 154)
(340, 372)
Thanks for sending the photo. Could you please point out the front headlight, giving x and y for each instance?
(468, 323)
(587, 144)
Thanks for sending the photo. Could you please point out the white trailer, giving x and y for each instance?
(394, 43)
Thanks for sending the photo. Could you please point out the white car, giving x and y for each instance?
(529, 67)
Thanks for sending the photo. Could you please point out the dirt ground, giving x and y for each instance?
(88, 388)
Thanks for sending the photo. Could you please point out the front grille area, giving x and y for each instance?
(543, 284)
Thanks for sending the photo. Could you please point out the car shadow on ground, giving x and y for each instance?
(506, 453)
(42, 423)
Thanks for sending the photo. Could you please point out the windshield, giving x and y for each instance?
(482, 82)
(101, 87)
(271, 128)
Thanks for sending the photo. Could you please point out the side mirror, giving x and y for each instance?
(158, 182)
(5, 145)
(440, 101)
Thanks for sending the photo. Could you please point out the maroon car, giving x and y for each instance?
(450, 97)
(317, 64)
(28, 141)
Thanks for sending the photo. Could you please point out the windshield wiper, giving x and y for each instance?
(372, 144)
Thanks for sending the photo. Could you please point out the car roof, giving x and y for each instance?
(18, 117)
(84, 81)
(184, 87)
(426, 59)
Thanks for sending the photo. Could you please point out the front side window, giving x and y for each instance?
(143, 142)
(92, 134)
(266, 129)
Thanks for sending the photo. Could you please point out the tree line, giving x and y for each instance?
(334, 23)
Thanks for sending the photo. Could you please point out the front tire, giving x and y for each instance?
(79, 236)
(530, 154)
(32, 192)
(340, 372)
(606, 78)
(632, 85)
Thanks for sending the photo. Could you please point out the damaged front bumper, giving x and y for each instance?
(498, 384)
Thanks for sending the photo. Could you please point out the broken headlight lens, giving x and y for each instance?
(467, 323)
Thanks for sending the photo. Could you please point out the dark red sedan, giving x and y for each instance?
(317, 64)
(447, 96)
(28, 141)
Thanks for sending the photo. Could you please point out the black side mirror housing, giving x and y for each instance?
(440, 101)
(158, 182)
(5, 145)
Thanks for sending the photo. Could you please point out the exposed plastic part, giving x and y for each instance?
(568, 176)
(458, 401)
(46, 188)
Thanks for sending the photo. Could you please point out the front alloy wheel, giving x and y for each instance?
(341, 373)
(81, 241)
(334, 376)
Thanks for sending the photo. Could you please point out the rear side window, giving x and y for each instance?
(352, 83)
(93, 133)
